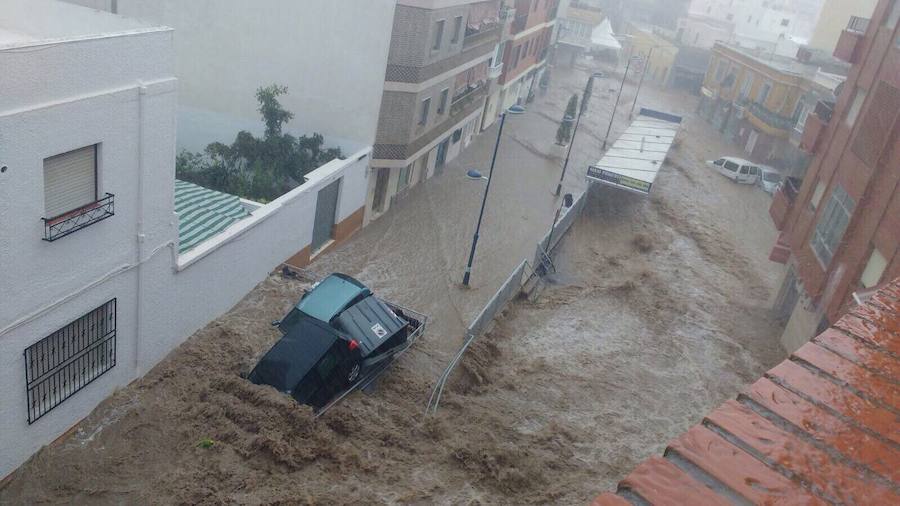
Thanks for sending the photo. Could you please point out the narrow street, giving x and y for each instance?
(658, 311)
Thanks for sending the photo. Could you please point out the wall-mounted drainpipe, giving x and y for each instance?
(139, 237)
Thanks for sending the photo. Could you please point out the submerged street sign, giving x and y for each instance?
(634, 160)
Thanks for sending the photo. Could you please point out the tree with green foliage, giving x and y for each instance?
(564, 133)
(256, 168)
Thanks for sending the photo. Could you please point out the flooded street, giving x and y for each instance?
(658, 312)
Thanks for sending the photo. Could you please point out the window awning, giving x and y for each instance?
(203, 213)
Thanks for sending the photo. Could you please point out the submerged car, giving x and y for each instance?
(736, 169)
(770, 180)
(336, 336)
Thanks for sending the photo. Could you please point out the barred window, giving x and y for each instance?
(831, 225)
(64, 362)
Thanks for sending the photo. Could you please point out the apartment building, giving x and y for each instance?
(840, 225)
(833, 19)
(439, 62)
(525, 51)
(777, 26)
(760, 101)
(108, 263)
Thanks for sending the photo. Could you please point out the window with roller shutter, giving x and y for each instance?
(70, 181)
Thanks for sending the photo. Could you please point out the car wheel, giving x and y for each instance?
(354, 373)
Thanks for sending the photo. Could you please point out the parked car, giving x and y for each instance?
(770, 179)
(736, 169)
(337, 335)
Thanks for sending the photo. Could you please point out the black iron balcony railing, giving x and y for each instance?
(770, 118)
(824, 110)
(463, 100)
(73, 221)
(858, 24)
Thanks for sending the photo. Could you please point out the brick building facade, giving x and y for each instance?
(434, 91)
(840, 228)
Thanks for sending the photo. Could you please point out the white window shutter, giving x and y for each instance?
(70, 181)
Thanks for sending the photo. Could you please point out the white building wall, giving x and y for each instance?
(211, 278)
(118, 91)
(331, 55)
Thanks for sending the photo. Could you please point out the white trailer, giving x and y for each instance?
(634, 160)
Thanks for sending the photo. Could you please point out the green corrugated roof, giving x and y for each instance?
(203, 213)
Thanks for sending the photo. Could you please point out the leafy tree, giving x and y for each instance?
(564, 133)
(258, 168)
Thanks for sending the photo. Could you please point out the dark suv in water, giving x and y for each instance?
(337, 335)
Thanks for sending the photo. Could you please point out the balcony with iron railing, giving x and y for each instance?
(814, 129)
(464, 99)
(849, 42)
(60, 226)
(768, 121)
(475, 37)
(783, 200)
(460, 108)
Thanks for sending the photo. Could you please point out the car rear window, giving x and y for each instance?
(731, 166)
(719, 162)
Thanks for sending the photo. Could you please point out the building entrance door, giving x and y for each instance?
(441, 155)
(751, 142)
(326, 209)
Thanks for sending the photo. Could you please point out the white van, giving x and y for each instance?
(736, 169)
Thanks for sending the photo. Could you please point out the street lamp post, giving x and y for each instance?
(616, 106)
(474, 174)
(584, 99)
(641, 82)
(567, 203)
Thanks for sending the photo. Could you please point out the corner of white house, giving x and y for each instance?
(94, 290)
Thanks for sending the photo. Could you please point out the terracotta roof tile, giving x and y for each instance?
(821, 427)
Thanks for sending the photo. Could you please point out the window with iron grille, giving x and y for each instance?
(64, 362)
(831, 225)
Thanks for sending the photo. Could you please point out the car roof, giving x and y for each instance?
(739, 161)
(331, 296)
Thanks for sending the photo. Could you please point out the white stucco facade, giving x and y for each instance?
(334, 70)
(110, 82)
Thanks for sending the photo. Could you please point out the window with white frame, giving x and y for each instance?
(875, 267)
(70, 181)
(438, 35)
(831, 225)
(763, 94)
(423, 113)
(893, 15)
(457, 29)
(403, 179)
(855, 107)
(817, 195)
(746, 86)
(800, 113)
(442, 101)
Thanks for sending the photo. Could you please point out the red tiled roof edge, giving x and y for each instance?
(821, 427)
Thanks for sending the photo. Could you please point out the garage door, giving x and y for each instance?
(70, 181)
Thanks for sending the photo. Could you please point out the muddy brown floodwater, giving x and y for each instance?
(657, 313)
